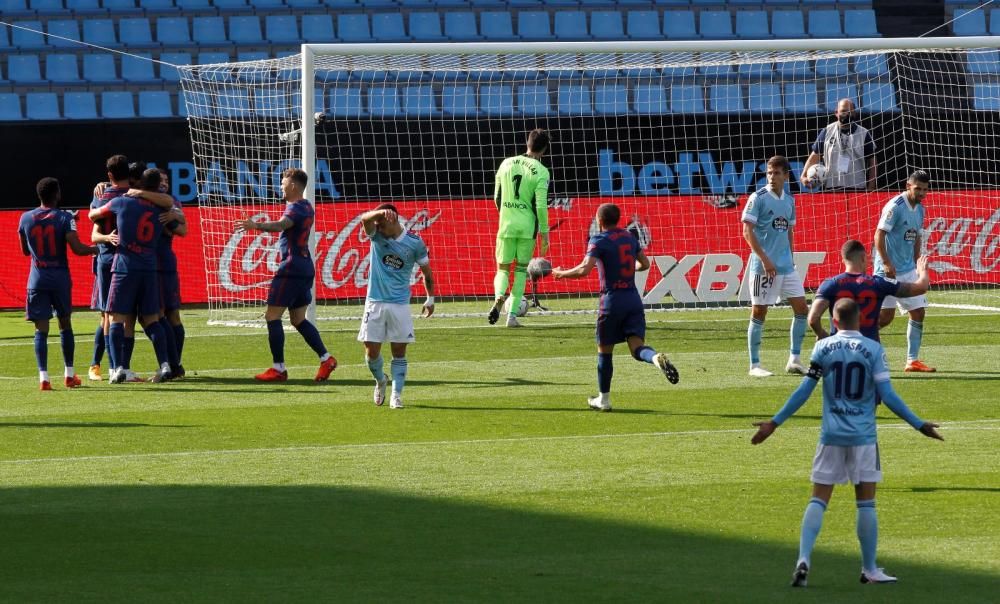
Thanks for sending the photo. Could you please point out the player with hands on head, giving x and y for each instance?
(854, 371)
(394, 253)
(621, 317)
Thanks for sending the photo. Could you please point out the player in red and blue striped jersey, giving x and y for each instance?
(620, 316)
(44, 234)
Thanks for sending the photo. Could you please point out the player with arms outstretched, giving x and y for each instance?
(394, 252)
(291, 286)
(854, 371)
(44, 234)
(620, 316)
(521, 196)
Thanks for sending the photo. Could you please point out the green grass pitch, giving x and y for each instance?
(495, 484)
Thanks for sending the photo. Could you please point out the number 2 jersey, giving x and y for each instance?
(139, 233)
(45, 230)
(867, 290)
(615, 251)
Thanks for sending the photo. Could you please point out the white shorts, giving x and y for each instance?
(906, 304)
(842, 465)
(766, 291)
(386, 322)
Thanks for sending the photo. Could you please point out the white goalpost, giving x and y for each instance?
(676, 133)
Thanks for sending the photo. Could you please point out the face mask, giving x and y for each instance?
(846, 118)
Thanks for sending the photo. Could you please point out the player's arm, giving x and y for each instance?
(641, 261)
(814, 158)
(99, 189)
(174, 222)
(24, 243)
(751, 238)
(883, 252)
(897, 406)
(274, 226)
(96, 214)
(96, 236)
(164, 200)
(542, 213)
(816, 312)
(918, 287)
(581, 270)
(79, 248)
(425, 270)
(497, 192)
(370, 220)
(793, 404)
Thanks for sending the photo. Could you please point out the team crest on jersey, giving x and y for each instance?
(780, 223)
(910, 235)
(392, 261)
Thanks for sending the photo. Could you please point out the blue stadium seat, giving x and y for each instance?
(446, 67)
(209, 31)
(983, 62)
(345, 101)
(496, 100)
(642, 66)
(173, 31)
(15, 8)
(687, 99)
(338, 5)
(134, 32)
(880, 96)
(872, 66)
(194, 8)
(825, 24)
(611, 99)
(860, 23)
(231, 6)
(100, 69)
(570, 25)
(275, 105)
(574, 99)
(787, 24)
(969, 22)
(714, 73)
(682, 69)
(459, 101)
(4, 40)
(156, 7)
(765, 98)
(607, 25)
(833, 68)
(726, 98)
(794, 69)
(318, 28)
(986, 96)
(534, 100)
(193, 103)
(564, 67)
(800, 97)
(233, 102)
(268, 5)
(245, 30)
(353, 28)
(534, 25)
(752, 25)
(80, 106)
(995, 22)
(600, 66)
(418, 101)
(138, 69)
(383, 101)
(303, 4)
(10, 107)
(496, 26)
(47, 8)
(168, 73)
(644, 25)
(24, 39)
(155, 103)
(86, 8)
(282, 29)
(209, 58)
(426, 27)
(64, 28)
(24, 69)
(408, 69)
(716, 25)
(679, 25)
(100, 32)
(62, 69)
(120, 8)
(388, 27)
(756, 71)
(521, 4)
(839, 90)
(650, 99)
(42, 106)
(461, 26)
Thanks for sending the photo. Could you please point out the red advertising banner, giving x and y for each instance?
(697, 248)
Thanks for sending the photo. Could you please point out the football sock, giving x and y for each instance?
(605, 370)
(276, 339)
(179, 338)
(99, 344)
(168, 338)
(311, 335)
(914, 333)
(116, 333)
(867, 532)
(154, 331)
(70, 371)
(128, 348)
(754, 334)
(644, 353)
(112, 351)
(797, 333)
(398, 375)
(375, 366)
(68, 345)
(43, 376)
(42, 350)
(517, 291)
(812, 522)
(500, 283)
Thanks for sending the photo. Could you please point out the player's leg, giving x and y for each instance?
(38, 309)
(275, 341)
(117, 335)
(763, 294)
(605, 371)
(100, 344)
(68, 345)
(372, 334)
(523, 251)
(310, 334)
(102, 339)
(812, 523)
(170, 292)
(174, 319)
(914, 337)
(150, 303)
(398, 368)
(399, 332)
(797, 334)
(376, 365)
(634, 326)
(866, 473)
(504, 254)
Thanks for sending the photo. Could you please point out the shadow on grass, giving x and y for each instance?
(335, 381)
(942, 489)
(89, 425)
(330, 544)
(582, 408)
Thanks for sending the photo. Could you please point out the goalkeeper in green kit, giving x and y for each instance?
(521, 195)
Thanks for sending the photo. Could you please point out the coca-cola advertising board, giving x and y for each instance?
(696, 245)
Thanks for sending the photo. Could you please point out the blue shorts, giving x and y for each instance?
(102, 286)
(133, 293)
(290, 292)
(616, 327)
(170, 291)
(41, 302)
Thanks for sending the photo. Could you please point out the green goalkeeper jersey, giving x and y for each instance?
(521, 195)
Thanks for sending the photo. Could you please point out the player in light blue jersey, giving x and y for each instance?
(394, 252)
(768, 227)
(898, 245)
(854, 372)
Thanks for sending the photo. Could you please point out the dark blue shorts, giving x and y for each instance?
(616, 327)
(41, 302)
(102, 286)
(290, 292)
(133, 293)
(170, 291)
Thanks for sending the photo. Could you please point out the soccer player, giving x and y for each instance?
(897, 248)
(394, 252)
(44, 234)
(134, 283)
(621, 318)
(854, 370)
(291, 286)
(768, 227)
(174, 225)
(867, 290)
(521, 195)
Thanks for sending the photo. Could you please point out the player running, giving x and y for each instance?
(44, 234)
(621, 318)
(521, 195)
(854, 371)
(291, 286)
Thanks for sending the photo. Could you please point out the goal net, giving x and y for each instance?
(677, 134)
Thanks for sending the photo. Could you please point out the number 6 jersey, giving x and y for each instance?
(139, 233)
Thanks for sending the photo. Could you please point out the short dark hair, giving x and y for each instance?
(149, 180)
(845, 312)
(386, 206)
(135, 171)
(117, 166)
(163, 172)
(853, 250)
(609, 214)
(538, 140)
(47, 190)
(779, 161)
(920, 176)
(297, 175)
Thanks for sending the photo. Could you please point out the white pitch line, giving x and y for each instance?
(433, 443)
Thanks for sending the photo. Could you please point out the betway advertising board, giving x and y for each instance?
(697, 249)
